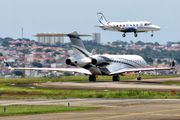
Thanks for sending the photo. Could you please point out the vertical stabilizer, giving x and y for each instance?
(78, 47)
(102, 19)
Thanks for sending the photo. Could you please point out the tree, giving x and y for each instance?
(37, 64)
(48, 50)
(140, 43)
(17, 72)
(18, 44)
(39, 50)
(5, 44)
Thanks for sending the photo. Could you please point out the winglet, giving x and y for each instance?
(7, 64)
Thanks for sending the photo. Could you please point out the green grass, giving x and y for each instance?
(76, 78)
(11, 92)
(22, 110)
(171, 83)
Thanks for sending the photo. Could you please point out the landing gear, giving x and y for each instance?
(152, 34)
(116, 78)
(135, 35)
(124, 35)
(92, 78)
(139, 77)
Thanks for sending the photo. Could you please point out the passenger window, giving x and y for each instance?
(136, 24)
(123, 25)
(133, 24)
(127, 25)
(130, 24)
(120, 25)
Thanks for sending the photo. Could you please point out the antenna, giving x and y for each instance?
(22, 33)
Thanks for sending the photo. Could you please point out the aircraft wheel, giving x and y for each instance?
(151, 35)
(138, 78)
(124, 35)
(135, 35)
(92, 78)
(116, 78)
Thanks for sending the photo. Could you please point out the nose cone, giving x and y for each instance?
(158, 28)
(155, 27)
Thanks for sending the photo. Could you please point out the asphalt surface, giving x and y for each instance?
(111, 109)
(144, 85)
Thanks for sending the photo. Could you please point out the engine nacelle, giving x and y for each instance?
(70, 61)
(100, 61)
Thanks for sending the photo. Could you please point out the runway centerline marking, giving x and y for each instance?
(133, 114)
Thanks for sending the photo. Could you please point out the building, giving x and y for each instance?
(97, 37)
(50, 40)
(30, 57)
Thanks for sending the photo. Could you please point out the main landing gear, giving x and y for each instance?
(135, 35)
(152, 34)
(116, 78)
(139, 77)
(124, 35)
(92, 78)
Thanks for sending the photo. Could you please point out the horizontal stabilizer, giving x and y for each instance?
(58, 34)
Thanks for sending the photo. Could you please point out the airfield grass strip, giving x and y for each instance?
(76, 78)
(9, 92)
(32, 109)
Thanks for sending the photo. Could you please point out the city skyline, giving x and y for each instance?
(60, 16)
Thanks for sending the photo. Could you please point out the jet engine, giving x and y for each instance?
(70, 61)
(100, 61)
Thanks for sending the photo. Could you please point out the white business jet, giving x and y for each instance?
(93, 65)
(142, 26)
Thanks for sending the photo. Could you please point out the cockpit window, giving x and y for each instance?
(147, 24)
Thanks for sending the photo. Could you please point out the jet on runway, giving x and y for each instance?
(93, 65)
(125, 27)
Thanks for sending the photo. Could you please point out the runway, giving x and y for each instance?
(111, 109)
(144, 85)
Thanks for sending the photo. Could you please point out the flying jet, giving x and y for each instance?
(93, 65)
(126, 27)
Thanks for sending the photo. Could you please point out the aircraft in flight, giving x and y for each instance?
(126, 27)
(93, 65)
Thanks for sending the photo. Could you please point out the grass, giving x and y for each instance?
(171, 83)
(76, 78)
(22, 110)
(10, 92)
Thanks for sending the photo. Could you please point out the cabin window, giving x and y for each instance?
(130, 24)
(136, 24)
(127, 25)
(117, 25)
(133, 24)
(120, 25)
(123, 25)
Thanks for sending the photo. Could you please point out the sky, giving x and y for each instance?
(81, 15)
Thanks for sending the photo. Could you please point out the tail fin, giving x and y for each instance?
(7, 64)
(78, 47)
(102, 19)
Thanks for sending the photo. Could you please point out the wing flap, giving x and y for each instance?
(76, 70)
(139, 69)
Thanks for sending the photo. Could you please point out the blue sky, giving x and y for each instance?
(80, 15)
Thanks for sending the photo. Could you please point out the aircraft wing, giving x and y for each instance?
(76, 70)
(139, 70)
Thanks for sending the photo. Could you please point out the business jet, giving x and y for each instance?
(94, 65)
(126, 27)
